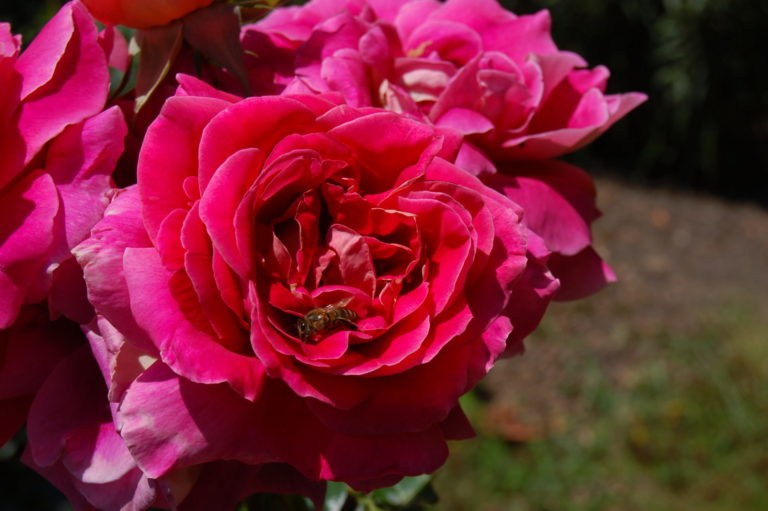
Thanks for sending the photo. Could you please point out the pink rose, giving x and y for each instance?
(58, 149)
(74, 443)
(251, 213)
(468, 65)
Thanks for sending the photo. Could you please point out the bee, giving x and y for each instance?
(324, 319)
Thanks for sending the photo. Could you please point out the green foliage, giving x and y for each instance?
(410, 494)
(27, 18)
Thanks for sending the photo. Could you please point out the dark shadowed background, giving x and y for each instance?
(703, 64)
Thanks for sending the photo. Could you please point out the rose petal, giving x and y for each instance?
(101, 257)
(558, 199)
(191, 352)
(163, 169)
(580, 275)
(26, 234)
(65, 77)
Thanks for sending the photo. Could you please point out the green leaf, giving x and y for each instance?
(404, 492)
(116, 77)
(335, 496)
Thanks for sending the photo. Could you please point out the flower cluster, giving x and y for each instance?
(283, 265)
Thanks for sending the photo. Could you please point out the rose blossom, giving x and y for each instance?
(469, 65)
(142, 13)
(250, 213)
(58, 149)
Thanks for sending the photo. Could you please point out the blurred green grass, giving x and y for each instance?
(685, 430)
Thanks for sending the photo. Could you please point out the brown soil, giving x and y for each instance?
(682, 261)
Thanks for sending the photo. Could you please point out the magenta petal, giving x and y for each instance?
(11, 144)
(81, 161)
(257, 122)
(133, 491)
(388, 9)
(101, 257)
(500, 29)
(268, 344)
(474, 161)
(64, 404)
(162, 169)
(367, 463)
(346, 73)
(192, 86)
(198, 262)
(591, 111)
(412, 14)
(531, 296)
(455, 42)
(97, 454)
(465, 121)
(116, 48)
(457, 426)
(400, 143)
(445, 227)
(546, 145)
(26, 234)
(73, 441)
(355, 263)
(9, 43)
(170, 422)
(415, 400)
(168, 242)
(558, 200)
(582, 80)
(620, 105)
(555, 68)
(599, 112)
(119, 361)
(189, 351)
(580, 275)
(220, 201)
(65, 77)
